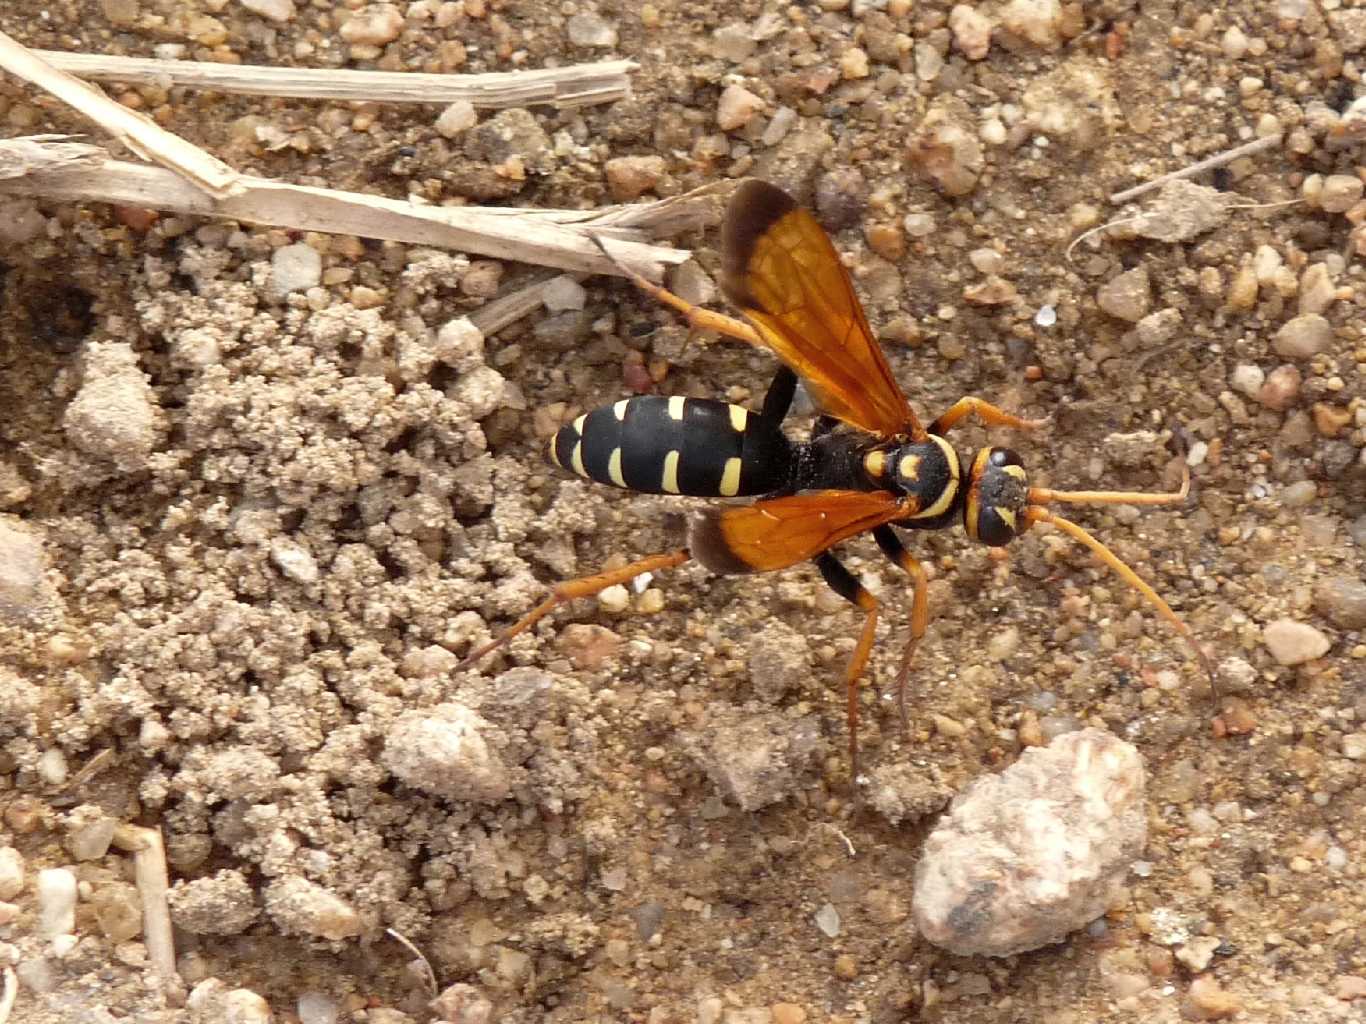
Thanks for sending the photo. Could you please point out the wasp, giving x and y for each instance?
(869, 466)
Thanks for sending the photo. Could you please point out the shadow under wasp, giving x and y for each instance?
(870, 465)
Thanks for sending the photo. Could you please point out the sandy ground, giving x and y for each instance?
(245, 537)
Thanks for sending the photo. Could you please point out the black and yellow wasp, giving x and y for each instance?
(870, 465)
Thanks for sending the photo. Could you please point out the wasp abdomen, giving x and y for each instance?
(662, 445)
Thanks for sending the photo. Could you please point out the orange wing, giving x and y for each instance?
(784, 531)
(782, 272)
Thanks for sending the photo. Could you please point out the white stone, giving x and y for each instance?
(1025, 857)
(294, 268)
(736, 107)
(1293, 643)
(563, 293)
(279, 11)
(294, 560)
(458, 117)
(11, 873)
(445, 750)
(56, 902)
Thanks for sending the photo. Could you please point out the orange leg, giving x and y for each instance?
(1034, 514)
(587, 586)
(986, 412)
(842, 582)
(697, 317)
(892, 547)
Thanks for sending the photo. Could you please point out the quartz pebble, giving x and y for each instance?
(118, 911)
(294, 268)
(1035, 21)
(377, 25)
(1248, 379)
(279, 11)
(971, 31)
(457, 118)
(56, 902)
(1282, 388)
(589, 29)
(243, 1006)
(1208, 1001)
(1025, 857)
(1293, 643)
(1303, 337)
(563, 293)
(736, 107)
(1340, 191)
(444, 750)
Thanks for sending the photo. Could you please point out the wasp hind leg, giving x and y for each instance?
(842, 582)
(896, 552)
(585, 586)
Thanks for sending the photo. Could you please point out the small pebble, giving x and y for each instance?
(1340, 192)
(1209, 1001)
(1198, 952)
(589, 29)
(828, 920)
(1035, 21)
(294, 268)
(1354, 746)
(1303, 337)
(243, 1006)
(1349, 987)
(1128, 296)
(563, 293)
(374, 26)
(301, 907)
(294, 561)
(320, 1008)
(736, 107)
(587, 645)
(614, 600)
(971, 31)
(457, 118)
(279, 11)
(11, 873)
(628, 177)
(734, 42)
(1300, 494)
(56, 902)
(1341, 599)
(1282, 388)
(444, 750)
(1248, 379)
(1293, 643)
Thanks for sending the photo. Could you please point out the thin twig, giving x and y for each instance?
(493, 316)
(10, 993)
(573, 86)
(534, 240)
(1218, 160)
(153, 882)
(432, 986)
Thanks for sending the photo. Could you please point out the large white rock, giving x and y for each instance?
(1025, 857)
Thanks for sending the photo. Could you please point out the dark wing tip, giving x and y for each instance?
(754, 208)
(708, 545)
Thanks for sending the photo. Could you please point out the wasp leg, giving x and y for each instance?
(779, 398)
(585, 586)
(896, 552)
(984, 411)
(842, 582)
(696, 316)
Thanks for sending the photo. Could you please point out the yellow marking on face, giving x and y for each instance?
(614, 468)
(676, 403)
(576, 460)
(578, 424)
(1007, 515)
(619, 409)
(669, 482)
(1018, 472)
(554, 455)
(875, 465)
(909, 467)
(738, 418)
(730, 478)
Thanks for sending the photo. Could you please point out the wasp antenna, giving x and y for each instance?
(1043, 495)
(1034, 514)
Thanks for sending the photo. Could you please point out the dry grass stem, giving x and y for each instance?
(153, 882)
(496, 233)
(1218, 160)
(574, 86)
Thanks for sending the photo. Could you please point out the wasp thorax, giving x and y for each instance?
(998, 491)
